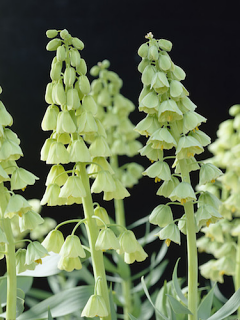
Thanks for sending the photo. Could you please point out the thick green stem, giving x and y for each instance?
(237, 270)
(191, 249)
(11, 272)
(92, 231)
(120, 220)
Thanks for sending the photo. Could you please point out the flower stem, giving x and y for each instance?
(11, 272)
(191, 249)
(92, 231)
(237, 271)
(120, 220)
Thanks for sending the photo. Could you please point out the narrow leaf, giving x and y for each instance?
(150, 300)
(228, 308)
(176, 285)
(49, 315)
(177, 306)
(205, 307)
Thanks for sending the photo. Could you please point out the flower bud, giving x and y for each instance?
(61, 53)
(48, 93)
(164, 62)
(165, 44)
(56, 70)
(5, 117)
(64, 34)
(53, 44)
(49, 121)
(84, 84)
(81, 67)
(89, 104)
(52, 33)
(69, 76)
(58, 94)
(53, 241)
(75, 57)
(179, 73)
(148, 74)
(143, 64)
(153, 53)
(143, 50)
(94, 71)
(77, 43)
(102, 214)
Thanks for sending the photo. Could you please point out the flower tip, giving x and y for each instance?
(149, 35)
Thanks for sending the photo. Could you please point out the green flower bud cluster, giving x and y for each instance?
(14, 208)
(222, 239)
(113, 111)
(171, 122)
(78, 135)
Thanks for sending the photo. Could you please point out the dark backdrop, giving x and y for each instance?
(207, 48)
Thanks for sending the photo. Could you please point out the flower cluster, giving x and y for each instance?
(222, 239)
(113, 111)
(171, 122)
(14, 208)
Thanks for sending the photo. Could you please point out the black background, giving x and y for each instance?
(205, 46)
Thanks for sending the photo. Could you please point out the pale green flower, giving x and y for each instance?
(208, 173)
(209, 271)
(57, 154)
(169, 111)
(3, 238)
(29, 221)
(183, 193)
(49, 121)
(72, 248)
(99, 147)
(161, 216)
(69, 264)
(159, 170)
(53, 241)
(65, 122)
(16, 205)
(187, 147)
(120, 192)
(95, 307)
(106, 240)
(35, 253)
(57, 175)
(207, 214)
(139, 255)
(73, 188)
(21, 264)
(51, 196)
(162, 139)
(102, 214)
(78, 151)
(103, 182)
(86, 123)
(170, 233)
(167, 187)
(21, 178)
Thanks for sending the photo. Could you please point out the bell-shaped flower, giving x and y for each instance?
(57, 175)
(176, 89)
(148, 74)
(21, 178)
(49, 121)
(119, 193)
(95, 307)
(89, 104)
(78, 151)
(202, 137)
(10, 150)
(170, 233)
(160, 82)
(226, 265)
(161, 216)
(57, 154)
(103, 182)
(164, 62)
(162, 139)
(103, 215)
(183, 193)
(46, 147)
(5, 117)
(16, 205)
(167, 187)
(97, 163)
(53, 241)
(73, 188)
(215, 232)
(191, 121)
(208, 173)
(150, 153)
(69, 264)
(72, 248)
(207, 214)
(139, 255)
(29, 221)
(187, 147)
(86, 123)
(169, 111)
(106, 240)
(99, 147)
(51, 196)
(227, 249)
(21, 264)
(148, 125)
(65, 122)
(35, 253)
(209, 270)
(159, 170)
(149, 103)
(3, 175)
(209, 198)
(128, 242)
